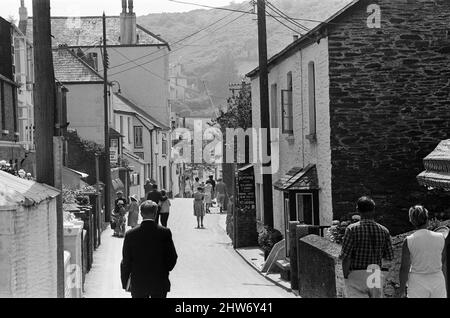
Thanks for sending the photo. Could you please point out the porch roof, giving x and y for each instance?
(298, 179)
(437, 165)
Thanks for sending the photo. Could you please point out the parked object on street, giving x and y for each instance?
(421, 272)
(149, 255)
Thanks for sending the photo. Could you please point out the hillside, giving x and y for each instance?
(226, 51)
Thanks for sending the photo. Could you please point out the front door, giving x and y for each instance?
(287, 218)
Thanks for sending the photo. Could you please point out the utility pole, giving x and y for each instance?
(44, 114)
(265, 109)
(107, 141)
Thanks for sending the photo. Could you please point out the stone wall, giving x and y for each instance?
(319, 268)
(388, 104)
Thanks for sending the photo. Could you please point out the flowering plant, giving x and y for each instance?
(268, 237)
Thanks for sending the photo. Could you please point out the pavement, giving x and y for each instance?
(208, 266)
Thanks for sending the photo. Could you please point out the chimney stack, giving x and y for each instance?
(296, 37)
(128, 33)
(23, 14)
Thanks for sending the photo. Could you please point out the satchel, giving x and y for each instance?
(128, 289)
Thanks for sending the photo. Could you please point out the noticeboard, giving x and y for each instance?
(246, 190)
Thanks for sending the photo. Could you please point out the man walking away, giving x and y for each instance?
(148, 187)
(156, 197)
(213, 183)
(364, 246)
(148, 256)
(221, 190)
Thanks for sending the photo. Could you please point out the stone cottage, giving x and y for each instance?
(359, 101)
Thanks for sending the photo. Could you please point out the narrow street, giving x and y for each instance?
(208, 266)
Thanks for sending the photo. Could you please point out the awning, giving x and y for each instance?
(246, 167)
(298, 179)
(437, 165)
(118, 185)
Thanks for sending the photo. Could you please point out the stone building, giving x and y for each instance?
(359, 101)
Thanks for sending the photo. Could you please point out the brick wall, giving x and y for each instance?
(388, 104)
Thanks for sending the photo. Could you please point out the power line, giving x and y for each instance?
(180, 40)
(181, 47)
(237, 10)
(288, 18)
(281, 22)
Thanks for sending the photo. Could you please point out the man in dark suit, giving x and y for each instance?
(156, 197)
(148, 256)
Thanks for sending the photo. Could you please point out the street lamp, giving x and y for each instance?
(118, 84)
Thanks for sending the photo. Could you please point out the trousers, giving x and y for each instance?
(426, 285)
(363, 284)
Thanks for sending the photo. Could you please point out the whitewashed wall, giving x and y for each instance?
(28, 263)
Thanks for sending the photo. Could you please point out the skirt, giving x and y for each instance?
(199, 208)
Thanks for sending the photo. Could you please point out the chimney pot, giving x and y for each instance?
(124, 6)
(130, 6)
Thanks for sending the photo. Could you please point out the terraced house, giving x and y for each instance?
(359, 100)
(138, 71)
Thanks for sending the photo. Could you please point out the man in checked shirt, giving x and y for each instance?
(364, 246)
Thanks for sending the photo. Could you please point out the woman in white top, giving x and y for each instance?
(422, 257)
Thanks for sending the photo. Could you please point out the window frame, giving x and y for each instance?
(287, 116)
(136, 144)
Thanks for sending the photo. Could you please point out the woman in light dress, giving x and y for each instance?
(421, 271)
(133, 211)
(208, 197)
(199, 207)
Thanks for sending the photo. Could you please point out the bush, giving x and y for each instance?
(268, 237)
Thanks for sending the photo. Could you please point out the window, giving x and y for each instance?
(274, 105)
(305, 208)
(121, 125)
(2, 105)
(138, 142)
(129, 130)
(288, 120)
(164, 145)
(312, 100)
(287, 106)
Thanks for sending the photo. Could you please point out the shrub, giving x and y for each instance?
(268, 237)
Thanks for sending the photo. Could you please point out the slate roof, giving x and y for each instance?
(88, 31)
(141, 112)
(299, 179)
(70, 68)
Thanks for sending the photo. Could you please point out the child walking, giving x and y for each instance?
(165, 208)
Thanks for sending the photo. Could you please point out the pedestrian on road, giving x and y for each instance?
(133, 211)
(156, 197)
(208, 197)
(364, 246)
(196, 183)
(148, 187)
(213, 183)
(149, 255)
(199, 207)
(119, 220)
(221, 190)
(188, 188)
(165, 208)
(422, 257)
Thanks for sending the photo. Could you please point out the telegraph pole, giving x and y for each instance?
(107, 141)
(265, 109)
(44, 114)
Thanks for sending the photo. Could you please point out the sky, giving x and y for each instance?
(111, 7)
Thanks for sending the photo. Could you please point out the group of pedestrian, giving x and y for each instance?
(204, 196)
(366, 243)
(122, 207)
